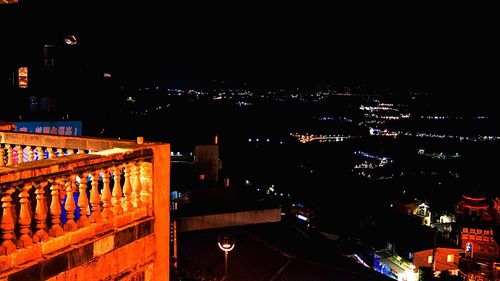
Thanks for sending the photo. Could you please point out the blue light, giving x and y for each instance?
(468, 247)
(301, 217)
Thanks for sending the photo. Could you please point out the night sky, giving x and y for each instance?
(447, 51)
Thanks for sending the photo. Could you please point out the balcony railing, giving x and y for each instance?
(57, 191)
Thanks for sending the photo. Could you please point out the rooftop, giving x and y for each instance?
(273, 251)
(215, 200)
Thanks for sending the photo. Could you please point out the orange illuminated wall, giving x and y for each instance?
(23, 77)
(445, 259)
(9, 1)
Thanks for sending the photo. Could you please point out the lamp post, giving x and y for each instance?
(226, 244)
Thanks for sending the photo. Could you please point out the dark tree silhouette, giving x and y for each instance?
(426, 274)
(446, 276)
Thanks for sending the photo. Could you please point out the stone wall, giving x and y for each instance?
(127, 253)
(228, 219)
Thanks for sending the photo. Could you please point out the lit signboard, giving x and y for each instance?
(62, 128)
(23, 77)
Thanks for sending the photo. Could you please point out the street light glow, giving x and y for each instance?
(70, 40)
(225, 243)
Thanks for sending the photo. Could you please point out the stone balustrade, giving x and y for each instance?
(38, 209)
(13, 154)
(86, 188)
(17, 148)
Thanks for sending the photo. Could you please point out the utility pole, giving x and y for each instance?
(434, 252)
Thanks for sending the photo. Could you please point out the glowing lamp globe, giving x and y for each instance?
(225, 242)
(70, 40)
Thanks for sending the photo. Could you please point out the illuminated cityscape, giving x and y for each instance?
(161, 144)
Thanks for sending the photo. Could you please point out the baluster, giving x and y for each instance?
(24, 219)
(55, 229)
(31, 154)
(95, 199)
(117, 192)
(9, 155)
(81, 151)
(137, 187)
(20, 154)
(70, 205)
(127, 190)
(41, 154)
(150, 189)
(2, 154)
(62, 192)
(60, 152)
(51, 153)
(40, 214)
(70, 151)
(146, 183)
(7, 223)
(106, 196)
(83, 202)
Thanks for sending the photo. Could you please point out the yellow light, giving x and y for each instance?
(226, 243)
(23, 77)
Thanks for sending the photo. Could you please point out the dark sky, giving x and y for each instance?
(444, 50)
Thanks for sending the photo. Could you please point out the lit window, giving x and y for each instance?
(429, 259)
(465, 230)
(450, 258)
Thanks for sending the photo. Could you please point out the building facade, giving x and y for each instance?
(207, 161)
(439, 259)
(476, 218)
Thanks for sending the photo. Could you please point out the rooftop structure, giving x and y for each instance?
(272, 251)
(473, 207)
(477, 228)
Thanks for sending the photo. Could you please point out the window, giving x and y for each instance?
(429, 259)
(479, 231)
(465, 230)
(450, 258)
(486, 232)
(472, 230)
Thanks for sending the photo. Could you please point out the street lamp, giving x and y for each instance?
(226, 244)
(70, 40)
